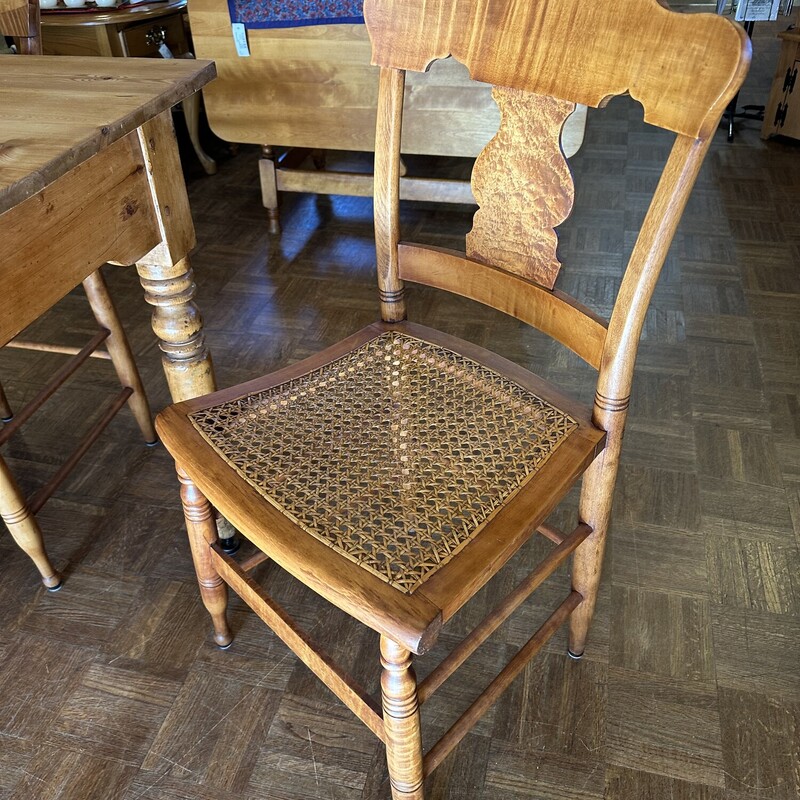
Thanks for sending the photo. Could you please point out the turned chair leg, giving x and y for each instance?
(401, 722)
(120, 352)
(594, 509)
(202, 530)
(23, 527)
(6, 412)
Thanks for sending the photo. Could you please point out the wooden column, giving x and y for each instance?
(269, 188)
(597, 492)
(616, 369)
(179, 327)
(6, 412)
(387, 189)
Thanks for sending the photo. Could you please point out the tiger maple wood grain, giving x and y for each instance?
(523, 187)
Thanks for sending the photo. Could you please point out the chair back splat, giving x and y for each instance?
(395, 473)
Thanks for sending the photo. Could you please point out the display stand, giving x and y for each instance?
(749, 111)
(749, 12)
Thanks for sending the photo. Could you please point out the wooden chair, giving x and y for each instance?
(20, 19)
(396, 472)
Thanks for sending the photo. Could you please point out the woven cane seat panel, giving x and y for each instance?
(394, 455)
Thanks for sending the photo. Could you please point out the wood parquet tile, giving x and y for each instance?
(667, 726)
(659, 633)
(203, 742)
(661, 559)
(738, 454)
(690, 688)
(757, 651)
(768, 746)
(751, 573)
(622, 784)
(53, 773)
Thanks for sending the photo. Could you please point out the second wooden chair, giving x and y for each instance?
(20, 19)
(395, 473)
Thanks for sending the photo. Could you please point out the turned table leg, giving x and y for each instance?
(178, 325)
(24, 528)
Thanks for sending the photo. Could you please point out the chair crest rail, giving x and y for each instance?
(551, 49)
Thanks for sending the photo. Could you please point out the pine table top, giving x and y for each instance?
(58, 111)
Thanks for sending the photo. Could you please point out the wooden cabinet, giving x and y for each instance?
(127, 31)
(143, 39)
(782, 114)
(134, 31)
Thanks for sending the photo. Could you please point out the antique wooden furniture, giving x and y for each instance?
(110, 330)
(313, 88)
(149, 30)
(395, 473)
(20, 19)
(89, 173)
(782, 114)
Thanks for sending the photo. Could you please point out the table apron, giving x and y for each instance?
(100, 211)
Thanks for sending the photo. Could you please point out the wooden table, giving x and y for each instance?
(89, 173)
(141, 31)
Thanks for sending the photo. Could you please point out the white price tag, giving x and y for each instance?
(754, 10)
(240, 39)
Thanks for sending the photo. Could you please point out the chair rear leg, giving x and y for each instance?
(6, 412)
(120, 352)
(597, 493)
(24, 528)
(401, 722)
(202, 530)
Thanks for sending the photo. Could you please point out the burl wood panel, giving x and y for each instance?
(523, 187)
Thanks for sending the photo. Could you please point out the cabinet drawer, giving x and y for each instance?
(142, 40)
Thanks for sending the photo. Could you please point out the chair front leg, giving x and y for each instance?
(401, 722)
(24, 528)
(202, 530)
(597, 493)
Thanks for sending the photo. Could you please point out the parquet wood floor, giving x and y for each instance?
(690, 689)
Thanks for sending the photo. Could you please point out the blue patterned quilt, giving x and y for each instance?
(293, 13)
